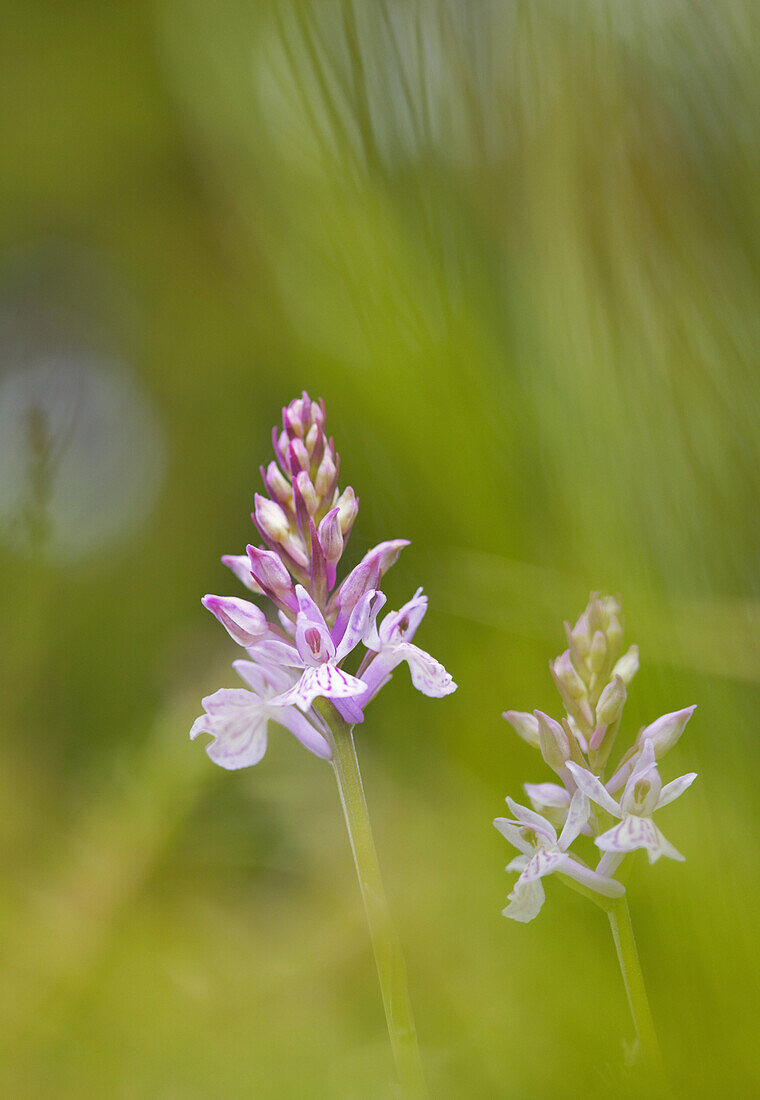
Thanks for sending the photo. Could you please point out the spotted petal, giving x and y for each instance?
(323, 680)
(638, 832)
(428, 675)
(238, 723)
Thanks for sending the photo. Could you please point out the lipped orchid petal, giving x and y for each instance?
(525, 901)
(637, 832)
(428, 675)
(244, 622)
(238, 723)
(323, 680)
(673, 790)
(543, 863)
(595, 790)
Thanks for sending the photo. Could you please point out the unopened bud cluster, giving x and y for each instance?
(592, 677)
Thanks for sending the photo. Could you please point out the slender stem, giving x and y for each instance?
(391, 969)
(630, 968)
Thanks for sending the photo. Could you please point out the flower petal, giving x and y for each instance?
(608, 887)
(543, 863)
(671, 791)
(241, 567)
(401, 625)
(244, 622)
(428, 675)
(638, 832)
(532, 820)
(349, 710)
(525, 725)
(264, 678)
(360, 621)
(517, 865)
(299, 725)
(238, 723)
(595, 790)
(512, 833)
(326, 681)
(525, 901)
(577, 816)
(547, 794)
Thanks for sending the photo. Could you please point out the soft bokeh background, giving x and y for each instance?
(514, 245)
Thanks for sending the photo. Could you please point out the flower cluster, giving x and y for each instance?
(592, 678)
(297, 654)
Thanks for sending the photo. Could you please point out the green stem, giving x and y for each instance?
(391, 969)
(630, 968)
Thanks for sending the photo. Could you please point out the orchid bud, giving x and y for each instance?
(241, 567)
(325, 475)
(243, 621)
(597, 651)
(611, 702)
(564, 672)
(318, 413)
(614, 633)
(306, 489)
(348, 507)
(277, 484)
(268, 570)
(549, 799)
(578, 639)
(628, 665)
(525, 725)
(298, 456)
(553, 742)
(270, 519)
(280, 444)
(331, 536)
(312, 436)
(665, 731)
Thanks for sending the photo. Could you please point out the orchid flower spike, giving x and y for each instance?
(593, 677)
(316, 623)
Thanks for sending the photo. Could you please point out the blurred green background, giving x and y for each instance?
(514, 245)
